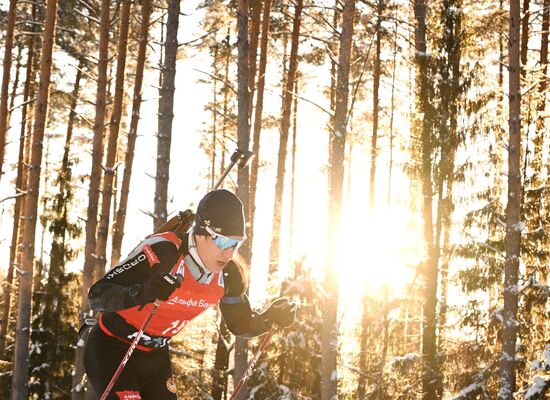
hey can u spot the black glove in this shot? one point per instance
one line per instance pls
(159, 287)
(280, 313)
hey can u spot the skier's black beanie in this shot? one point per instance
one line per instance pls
(222, 211)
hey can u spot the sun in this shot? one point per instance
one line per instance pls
(375, 251)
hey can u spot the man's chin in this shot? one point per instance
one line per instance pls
(217, 267)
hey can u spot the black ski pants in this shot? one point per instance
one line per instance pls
(146, 376)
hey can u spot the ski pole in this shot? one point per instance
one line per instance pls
(240, 157)
(248, 371)
(133, 346)
(130, 351)
(184, 219)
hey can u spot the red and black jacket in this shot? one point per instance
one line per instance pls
(122, 314)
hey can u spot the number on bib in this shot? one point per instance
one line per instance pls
(176, 326)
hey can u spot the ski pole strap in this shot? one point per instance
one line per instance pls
(248, 371)
(129, 352)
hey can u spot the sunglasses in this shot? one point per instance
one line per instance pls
(223, 242)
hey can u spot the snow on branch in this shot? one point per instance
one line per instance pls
(403, 362)
(538, 389)
(540, 385)
(469, 391)
(477, 386)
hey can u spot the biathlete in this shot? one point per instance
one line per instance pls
(190, 273)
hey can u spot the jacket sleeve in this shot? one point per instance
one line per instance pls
(241, 320)
(112, 292)
(239, 317)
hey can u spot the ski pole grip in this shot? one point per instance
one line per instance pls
(241, 157)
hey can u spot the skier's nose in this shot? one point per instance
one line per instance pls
(228, 253)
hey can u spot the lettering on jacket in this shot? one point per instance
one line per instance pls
(155, 342)
(190, 302)
(129, 264)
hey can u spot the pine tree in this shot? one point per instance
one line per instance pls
(286, 107)
(55, 321)
(329, 332)
(118, 226)
(535, 252)
(78, 390)
(513, 209)
(430, 374)
(114, 128)
(290, 366)
(542, 88)
(258, 111)
(20, 185)
(375, 101)
(6, 80)
(243, 143)
(20, 371)
(254, 28)
(166, 114)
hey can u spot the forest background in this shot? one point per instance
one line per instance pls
(399, 191)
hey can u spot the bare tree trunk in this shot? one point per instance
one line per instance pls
(243, 142)
(385, 341)
(114, 127)
(430, 374)
(524, 48)
(166, 114)
(449, 141)
(442, 320)
(227, 48)
(450, 89)
(214, 117)
(21, 361)
(499, 131)
(362, 380)
(332, 91)
(253, 50)
(29, 108)
(15, 85)
(118, 227)
(221, 363)
(365, 330)
(258, 115)
(524, 37)
(6, 81)
(392, 114)
(78, 391)
(363, 343)
(333, 54)
(293, 172)
(70, 126)
(513, 210)
(20, 184)
(285, 126)
(329, 332)
(375, 104)
(500, 78)
(538, 140)
(45, 200)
